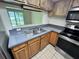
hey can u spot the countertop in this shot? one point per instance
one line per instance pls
(19, 37)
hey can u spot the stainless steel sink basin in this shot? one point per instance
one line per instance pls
(38, 31)
(34, 31)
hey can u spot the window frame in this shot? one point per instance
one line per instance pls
(15, 10)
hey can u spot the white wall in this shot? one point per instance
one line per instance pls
(4, 15)
(5, 20)
(56, 20)
(45, 18)
(1, 25)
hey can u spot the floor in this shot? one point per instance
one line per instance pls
(48, 52)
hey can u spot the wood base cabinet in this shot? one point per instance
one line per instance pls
(53, 38)
(45, 40)
(44, 43)
(29, 49)
(20, 52)
(34, 47)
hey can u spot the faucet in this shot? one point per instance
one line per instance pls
(36, 30)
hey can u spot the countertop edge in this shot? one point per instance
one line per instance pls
(38, 35)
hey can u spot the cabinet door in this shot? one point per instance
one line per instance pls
(67, 7)
(46, 5)
(75, 3)
(34, 2)
(21, 53)
(46, 36)
(25, 2)
(20, 1)
(62, 7)
(53, 38)
(59, 8)
(44, 42)
(34, 48)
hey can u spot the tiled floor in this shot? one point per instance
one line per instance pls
(48, 53)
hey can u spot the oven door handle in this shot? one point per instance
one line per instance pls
(69, 39)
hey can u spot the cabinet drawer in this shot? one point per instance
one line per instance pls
(46, 35)
(33, 40)
(19, 47)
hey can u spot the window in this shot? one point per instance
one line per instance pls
(37, 17)
(16, 17)
(33, 17)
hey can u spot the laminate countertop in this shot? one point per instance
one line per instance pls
(18, 37)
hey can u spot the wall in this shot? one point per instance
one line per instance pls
(5, 20)
(45, 18)
(1, 25)
(4, 15)
(37, 17)
(56, 20)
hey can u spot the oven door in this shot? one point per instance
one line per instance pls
(69, 46)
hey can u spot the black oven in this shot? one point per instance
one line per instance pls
(69, 46)
(69, 39)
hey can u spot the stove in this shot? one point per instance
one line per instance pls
(73, 34)
(68, 42)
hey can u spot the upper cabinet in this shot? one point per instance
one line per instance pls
(75, 3)
(43, 4)
(46, 5)
(61, 8)
(54, 8)
(34, 2)
(23, 1)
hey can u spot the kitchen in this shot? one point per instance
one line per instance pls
(39, 29)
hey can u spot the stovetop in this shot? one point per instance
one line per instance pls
(73, 34)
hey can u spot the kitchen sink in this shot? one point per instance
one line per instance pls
(34, 31)
(38, 31)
